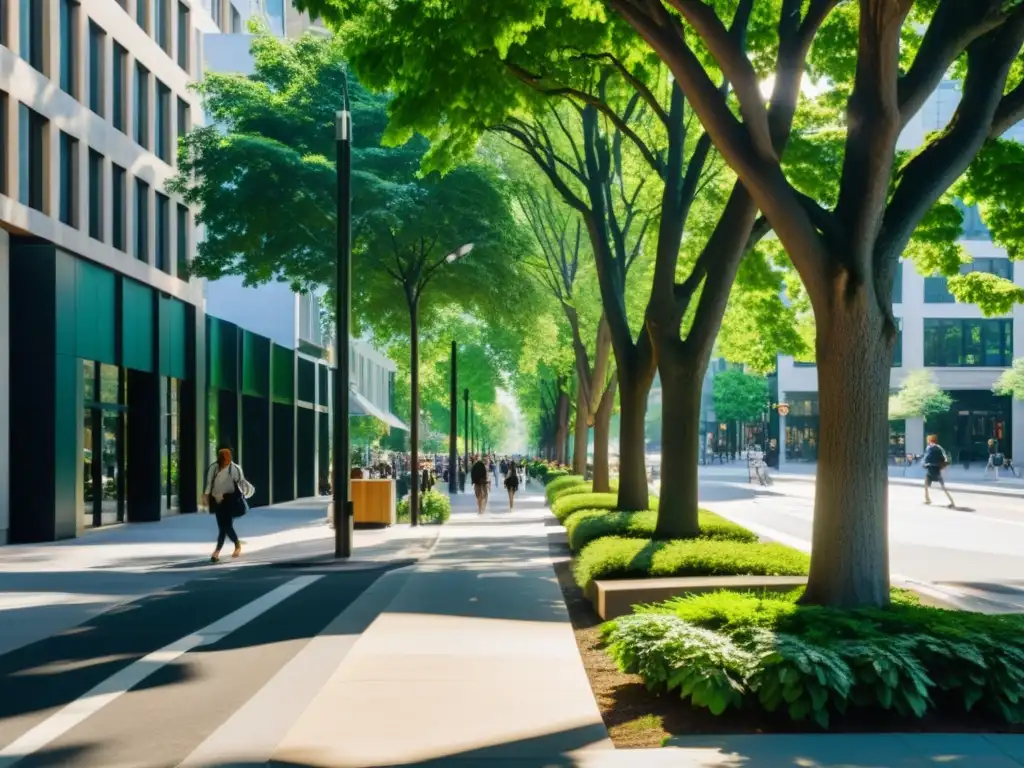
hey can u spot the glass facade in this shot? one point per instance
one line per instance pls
(163, 233)
(181, 240)
(32, 129)
(802, 426)
(163, 122)
(959, 343)
(30, 32)
(161, 30)
(936, 289)
(141, 106)
(183, 36)
(170, 445)
(141, 220)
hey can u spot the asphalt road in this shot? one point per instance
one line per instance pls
(975, 550)
(145, 683)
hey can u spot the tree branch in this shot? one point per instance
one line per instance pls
(638, 85)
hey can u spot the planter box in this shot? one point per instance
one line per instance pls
(616, 597)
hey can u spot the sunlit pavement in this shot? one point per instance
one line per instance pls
(973, 554)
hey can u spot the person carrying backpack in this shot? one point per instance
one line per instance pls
(935, 460)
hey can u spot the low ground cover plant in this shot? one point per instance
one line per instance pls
(727, 649)
(435, 507)
(616, 557)
(587, 525)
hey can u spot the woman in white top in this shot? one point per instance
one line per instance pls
(221, 480)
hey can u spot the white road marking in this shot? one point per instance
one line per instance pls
(104, 693)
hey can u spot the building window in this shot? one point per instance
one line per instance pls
(163, 233)
(97, 92)
(163, 122)
(3, 141)
(236, 21)
(119, 84)
(141, 220)
(142, 13)
(32, 129)
(897, 284)
(936, 289)
(30, 32)
(68, 46)
(215, 11)
(68, 179)
(184, 118)
(897, 347)
(960, 343)
(274, 11)
(95, 195)
(118, 206)
(182, 233)
(161, 25)
(183, 36)
(142, 106)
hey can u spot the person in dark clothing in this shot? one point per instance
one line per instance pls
(934, 462)
(511, 483)
(481, 484)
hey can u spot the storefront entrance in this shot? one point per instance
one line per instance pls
(975, 417)
(104, 445)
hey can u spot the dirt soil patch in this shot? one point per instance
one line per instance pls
(636, 717)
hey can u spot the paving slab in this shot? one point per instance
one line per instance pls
(474, 659)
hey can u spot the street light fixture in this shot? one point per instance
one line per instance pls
(342, 302)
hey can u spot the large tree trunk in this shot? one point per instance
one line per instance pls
(414, 422)
(562, 428)
(633, 490)
(581, 435)
(850, 552)
(680, 428)
(602, 428)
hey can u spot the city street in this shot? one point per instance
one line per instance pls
(973, 554)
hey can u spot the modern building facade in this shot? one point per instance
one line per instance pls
(123, 382)
(964, 351)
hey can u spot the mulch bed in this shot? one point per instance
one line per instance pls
(636, 717)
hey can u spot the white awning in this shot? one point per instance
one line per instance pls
(361, 406)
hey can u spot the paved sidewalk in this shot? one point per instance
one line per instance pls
(47, 588)
(474, 660)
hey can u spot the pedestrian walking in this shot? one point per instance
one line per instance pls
(511, 483)
(935, 461)
(481, 484)
(226, 492)
(494, 472)
(993, 451)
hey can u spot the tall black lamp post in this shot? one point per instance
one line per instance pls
(465, 431)
(453, 431)
(343, 300)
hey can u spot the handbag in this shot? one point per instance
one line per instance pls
(236, 502)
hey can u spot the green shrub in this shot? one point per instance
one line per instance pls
(559, 483)
(615, 557)
(587, 525)
(435, 507)
(554, 474)
(723, 649)
(567, 505)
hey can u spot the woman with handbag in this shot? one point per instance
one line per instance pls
(226, 492)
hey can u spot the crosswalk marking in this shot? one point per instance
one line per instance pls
(121, 682)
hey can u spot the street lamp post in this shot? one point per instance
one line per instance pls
(465, 431)
(343, 299)
(453, 432)
(472, 431)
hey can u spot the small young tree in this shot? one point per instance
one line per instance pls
(1011, 381)
(919, 397)
(738, 396)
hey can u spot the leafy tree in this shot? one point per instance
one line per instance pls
(1011, 381)
(881, 59)
(265, 179)
(739, 396)
(572, 87)
(919, 397)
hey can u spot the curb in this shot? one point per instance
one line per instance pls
(916, 482)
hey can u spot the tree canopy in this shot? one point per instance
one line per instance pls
(919, 397)
(739, 396)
